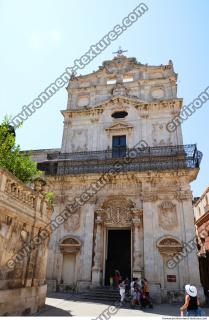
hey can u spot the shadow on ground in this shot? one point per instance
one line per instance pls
(49, 311)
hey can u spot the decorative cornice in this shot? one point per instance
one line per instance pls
(136, 102)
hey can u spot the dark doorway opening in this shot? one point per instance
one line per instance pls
(118, 254)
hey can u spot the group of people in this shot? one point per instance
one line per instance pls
(136, 291)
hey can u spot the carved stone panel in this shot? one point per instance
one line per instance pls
(119, 90)
(118, 211)
(79, 140)
(73, 222)
(169, 245)
(167, 216)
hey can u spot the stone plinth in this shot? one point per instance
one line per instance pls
(22, 301)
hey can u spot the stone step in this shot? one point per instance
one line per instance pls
(101, 294)
(104, 292)
(99, 298)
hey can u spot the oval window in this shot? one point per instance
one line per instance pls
(119, 114)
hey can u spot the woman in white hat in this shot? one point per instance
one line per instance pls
(191, 304)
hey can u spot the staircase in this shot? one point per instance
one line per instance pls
(103, 294)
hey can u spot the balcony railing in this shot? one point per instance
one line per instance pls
(148, 158)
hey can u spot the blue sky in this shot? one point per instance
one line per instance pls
(39, 39)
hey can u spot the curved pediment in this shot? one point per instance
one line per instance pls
(69, 244)
(169, 245)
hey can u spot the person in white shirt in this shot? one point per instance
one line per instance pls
(122, 289)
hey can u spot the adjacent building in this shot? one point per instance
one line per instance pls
(201, 213)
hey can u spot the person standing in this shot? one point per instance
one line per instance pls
(146, 293)
(122, 289)
(135, 292)
(111, 282)
(116, 279)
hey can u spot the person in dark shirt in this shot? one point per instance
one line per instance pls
(191, 304)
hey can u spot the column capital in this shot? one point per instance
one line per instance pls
(137, 213)
(99, 221)
(136, 222)
(99, 212)
(92, 200)
(99, 216)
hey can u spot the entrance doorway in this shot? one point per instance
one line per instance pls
(68, 269)
(118, 254)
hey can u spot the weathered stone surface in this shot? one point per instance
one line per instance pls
(23, 213)
(153, 204)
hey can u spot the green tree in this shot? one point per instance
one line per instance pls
(11, 158)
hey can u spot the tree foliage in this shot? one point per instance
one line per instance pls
(19, 164)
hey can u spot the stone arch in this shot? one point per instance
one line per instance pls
(169, 245)
(69, 244)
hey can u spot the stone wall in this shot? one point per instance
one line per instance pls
(165, 224)
(23, 213)
(149, 99)
(123, 97)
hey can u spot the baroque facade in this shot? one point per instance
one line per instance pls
(23, 213)
(131, 177)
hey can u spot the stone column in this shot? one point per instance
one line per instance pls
(151, 231)
(86, 259)
(96, 270)
(137, 268)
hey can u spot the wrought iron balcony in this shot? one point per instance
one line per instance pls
(147, 158)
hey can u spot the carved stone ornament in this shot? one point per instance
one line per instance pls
(39, 184)
(183, 195)
(119, 127)
(73, 222)
(149, 197)
(5, 222)
(117, 211)
(169, 246)
(24, 235)
(167, 215)
(70, 245)
(120, 90)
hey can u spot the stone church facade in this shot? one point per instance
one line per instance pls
(139, 217)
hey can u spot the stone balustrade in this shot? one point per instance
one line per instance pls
(15, 189)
